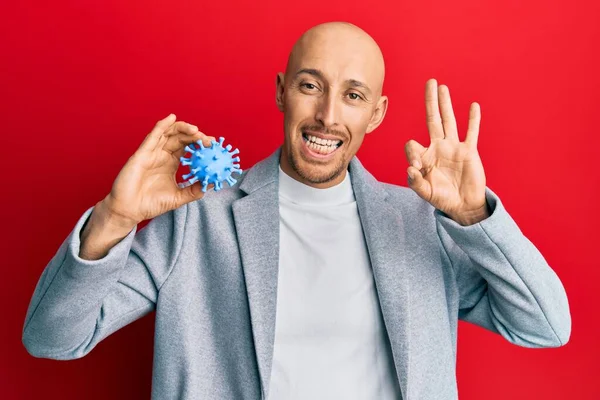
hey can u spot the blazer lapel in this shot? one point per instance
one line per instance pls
(256, 218)
(384, 233)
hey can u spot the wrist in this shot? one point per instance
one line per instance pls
(114, 219)
(472, 217)
(102, 231)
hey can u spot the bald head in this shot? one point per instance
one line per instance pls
(330, 95)
(342, 46)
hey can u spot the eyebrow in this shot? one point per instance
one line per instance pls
(318, 74)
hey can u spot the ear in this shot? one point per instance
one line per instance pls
(279, 94)
(378, 114)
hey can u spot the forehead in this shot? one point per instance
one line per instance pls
(339, 58)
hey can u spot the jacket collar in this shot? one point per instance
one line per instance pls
(257, 224)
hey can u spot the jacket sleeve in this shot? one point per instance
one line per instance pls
(78, 302)
(504, 282)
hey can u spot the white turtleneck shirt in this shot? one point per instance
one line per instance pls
(330, 338)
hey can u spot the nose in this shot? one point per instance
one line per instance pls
(327, 113)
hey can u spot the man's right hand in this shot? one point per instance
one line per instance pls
(145, 187)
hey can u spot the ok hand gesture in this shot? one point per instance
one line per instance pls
(449, 173)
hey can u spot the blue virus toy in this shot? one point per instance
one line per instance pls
(213, 164)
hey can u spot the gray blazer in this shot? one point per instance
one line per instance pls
(209, 269)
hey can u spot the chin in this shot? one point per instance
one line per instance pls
(316, 172)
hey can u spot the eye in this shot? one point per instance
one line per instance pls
(309, 86)
(354, 96)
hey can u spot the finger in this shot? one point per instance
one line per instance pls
(434, 120)
(414, 153)
(176, 143)
(164, 123)
(474, 121)
(153, 138)
(448, 118)
(419, 184)
(181, 127)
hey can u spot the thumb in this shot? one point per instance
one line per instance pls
(418, 183)
(189, 193)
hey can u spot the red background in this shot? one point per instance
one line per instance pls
(83, 82)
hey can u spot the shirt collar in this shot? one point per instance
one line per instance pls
(299, 193)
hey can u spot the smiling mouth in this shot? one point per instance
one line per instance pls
(319, 145)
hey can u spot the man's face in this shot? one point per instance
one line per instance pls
(330, 97)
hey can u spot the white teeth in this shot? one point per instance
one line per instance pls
(322, 142)
(320, 148)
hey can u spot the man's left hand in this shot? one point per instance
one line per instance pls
(449, 173)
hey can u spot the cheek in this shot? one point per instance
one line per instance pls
(299, 108)
(356, 142)
(357, 122)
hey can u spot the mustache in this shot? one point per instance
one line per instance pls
(323, 130)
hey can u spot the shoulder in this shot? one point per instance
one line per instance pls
(405, 197)
(220, 201)
(415, 211)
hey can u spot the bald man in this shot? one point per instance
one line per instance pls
(331, 90)
(310, 279)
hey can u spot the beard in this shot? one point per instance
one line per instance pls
(315, 172)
